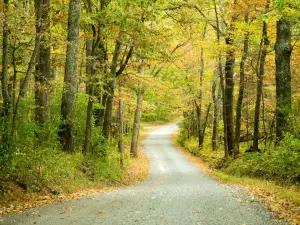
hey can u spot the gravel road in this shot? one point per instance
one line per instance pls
(176, 192)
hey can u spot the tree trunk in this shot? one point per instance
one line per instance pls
(136, 123)
(43, 75)
(89, 89)
(229, 88)
(111, 89)
(70, 79)
(24, 84)
(199, 105)
(90, 92)
(220, 66)
(27, 5)
(215, 122)
(201, 141)
(101, 112)
(121, 128)
(108, 109)
(4, 78)
(260, 80)
(239, 103)
(283, 51)
(6, 107)
(89, 126)
(229, 84)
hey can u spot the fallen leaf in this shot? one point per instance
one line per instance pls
(100, 212)
(69, 207)
(196, 212)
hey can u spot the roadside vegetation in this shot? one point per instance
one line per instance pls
(75, 78)
(78, 77)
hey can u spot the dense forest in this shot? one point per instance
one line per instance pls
(78, 77)
(74, 76)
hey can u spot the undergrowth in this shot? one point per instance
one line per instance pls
(280, 164)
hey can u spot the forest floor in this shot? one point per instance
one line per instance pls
(175, 192)
(282, 201)
(19, 200)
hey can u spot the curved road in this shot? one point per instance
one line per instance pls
(176, 192)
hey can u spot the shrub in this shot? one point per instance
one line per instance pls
(281, 164)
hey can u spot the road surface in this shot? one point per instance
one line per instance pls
(176, 192)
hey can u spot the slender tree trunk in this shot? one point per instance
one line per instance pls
(121, 128)
(283, 51)
(199, 105)
(136, 123)
(6, 107)
(111, 89)
(89, 90)
(215, 122)
(43, 75)
(27, 5)
(260, 78)
(201, 141)
(89, 126)
(239, 103)
(220, 66)
(108, 110)
(14, 81)
(102, 110)
(70, 79)
(5, 75)
(24, 84)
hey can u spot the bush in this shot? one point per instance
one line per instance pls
(192, 145)
(36, 162)
(281, 164)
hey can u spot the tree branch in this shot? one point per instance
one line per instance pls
(123, 65)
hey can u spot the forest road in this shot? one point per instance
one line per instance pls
(176, 192)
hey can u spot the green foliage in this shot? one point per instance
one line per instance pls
(214, 159)
(192, 145)
(281, 164)
(37, 163)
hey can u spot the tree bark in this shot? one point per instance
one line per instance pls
(6, 107)
(229, 84)
(201, 141)
(90, 92)
(239, 103)
(215, 122)
(229, 88)
(136, 123)
(27, 5)
(199, 105)
(260, 80)
(43, 74)
(111, 88)
(89, 89)
(283, 51)
(121, 128)
(70, 79)
(220, 67)
(101, 112)
(24, 84)
(4, 78)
